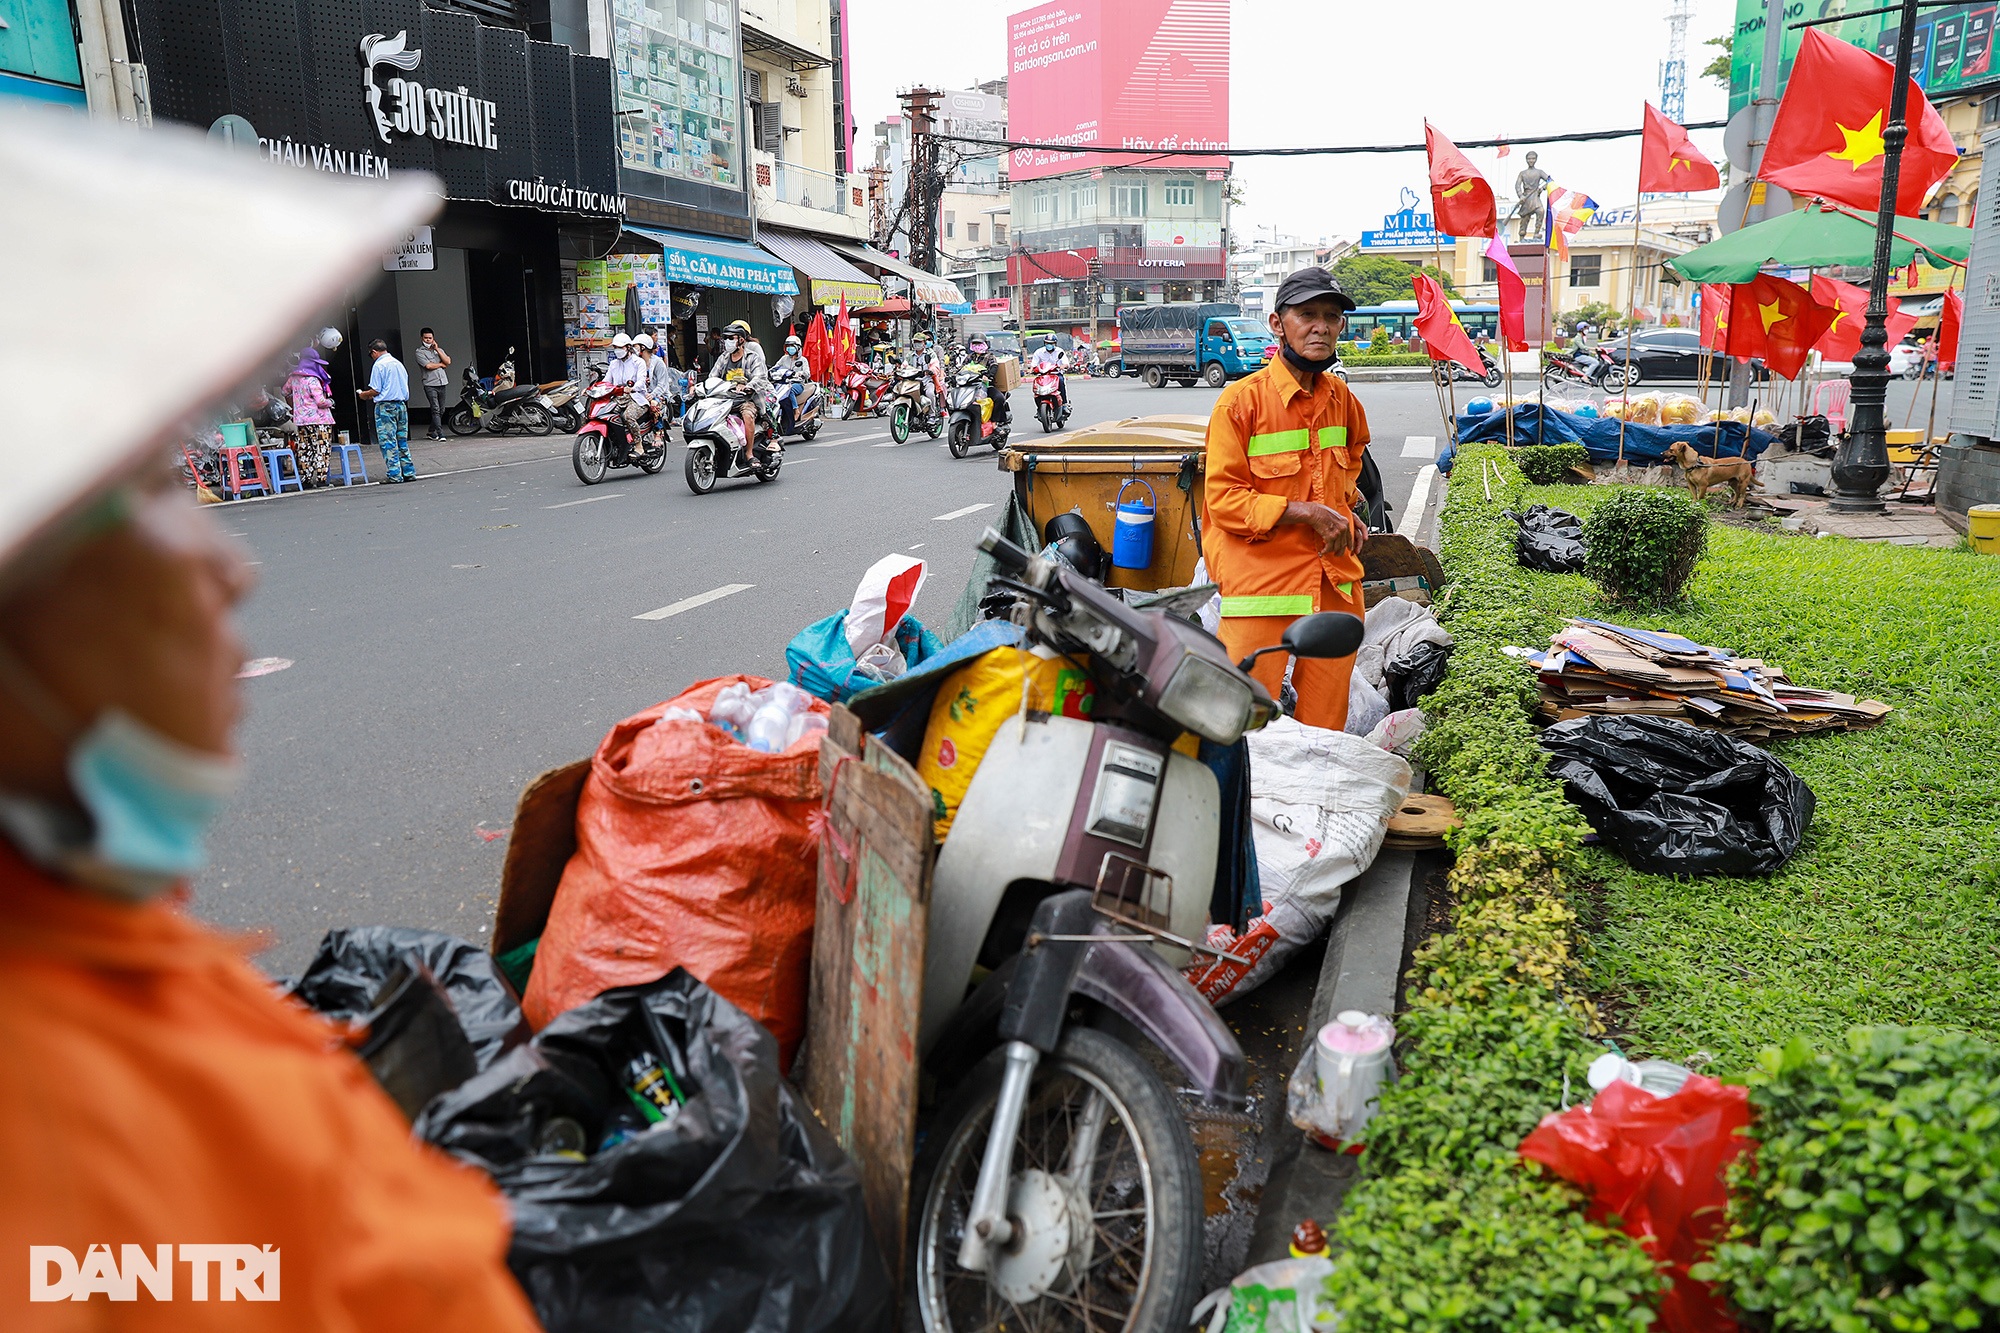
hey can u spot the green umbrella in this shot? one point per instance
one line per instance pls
(1813, 237)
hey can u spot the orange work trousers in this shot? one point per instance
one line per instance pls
(1322, 683)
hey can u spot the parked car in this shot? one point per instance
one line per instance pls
(1664, 354)
(1905, 361)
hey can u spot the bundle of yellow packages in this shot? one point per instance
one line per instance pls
(1644, 410)
(1679, 409)
(1765, 419)
(1615, 408)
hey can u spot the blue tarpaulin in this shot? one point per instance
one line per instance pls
(1534, 424)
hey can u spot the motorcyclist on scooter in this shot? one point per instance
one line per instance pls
(627, 371)
(742, 362)
(976, 349)
(662, 385)
(925, 358)
(1049, 358)
(789, 373)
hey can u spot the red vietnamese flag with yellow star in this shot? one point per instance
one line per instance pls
(1437, 324)
(1669, 163)
(1715, 316)
(1827, 141)
(1842, 340)
(1461, 200)
(1776, 320)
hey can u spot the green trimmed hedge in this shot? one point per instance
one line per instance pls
(1352, 359)
(1448, 1228)
(1545, 464)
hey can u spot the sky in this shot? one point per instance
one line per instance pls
(1363, 72)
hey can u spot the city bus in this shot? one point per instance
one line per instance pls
(1400, 318)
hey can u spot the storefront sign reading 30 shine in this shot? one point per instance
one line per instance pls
(454, 117)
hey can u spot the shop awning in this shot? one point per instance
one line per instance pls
(831, 277)
(927, 288)
(712, 261)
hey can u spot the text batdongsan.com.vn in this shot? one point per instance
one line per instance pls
(211, 1272)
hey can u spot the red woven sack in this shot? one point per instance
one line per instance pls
(1656, 1165)
(692, 850)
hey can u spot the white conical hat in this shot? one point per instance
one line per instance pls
(145, 275)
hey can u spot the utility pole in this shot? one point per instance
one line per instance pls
(1862, 464)
(1763, 112)
(1093, 293)
(925, 186)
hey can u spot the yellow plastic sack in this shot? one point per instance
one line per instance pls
(972, 703)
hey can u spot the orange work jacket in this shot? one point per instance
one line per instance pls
(159, 1100)
(1270, 442)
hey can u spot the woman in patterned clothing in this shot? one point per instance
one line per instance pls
(309, 388)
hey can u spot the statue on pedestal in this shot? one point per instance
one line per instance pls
(1529, 187)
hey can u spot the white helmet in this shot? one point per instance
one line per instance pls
(644, 340)
(620, 344)
(792, 343)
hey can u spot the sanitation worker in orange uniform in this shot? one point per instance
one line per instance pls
(181, 1147)
(1280, 534)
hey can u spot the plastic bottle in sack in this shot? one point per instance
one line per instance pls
(1353, 1058)
(802, 723)
(1662, 1078)
(768, 728)
(733, 710)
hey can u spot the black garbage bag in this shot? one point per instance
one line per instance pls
(1674, 799)
(1415, 674)
(349, 974)
(739, 1214)
(412, 1040)
(1550, 540)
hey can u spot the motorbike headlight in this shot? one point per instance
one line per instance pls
(1208, 699)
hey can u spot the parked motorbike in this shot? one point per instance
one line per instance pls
(500, 407)
(910, 406)
(565, 401)
(970, 415)
(1596, 372)
(1058, 1173)
(603, 442)
(1050, 407)
(808, 403)
(716, 448)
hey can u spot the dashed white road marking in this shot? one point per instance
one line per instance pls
(960, 513)
(586, 500)
(1420, 446)
(699, 599)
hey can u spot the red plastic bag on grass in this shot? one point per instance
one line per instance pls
(1656, 1164)
(692, 850)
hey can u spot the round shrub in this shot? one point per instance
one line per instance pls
(1545, 464)
(1644, 543)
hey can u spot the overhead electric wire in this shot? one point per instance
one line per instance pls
(1159, 150)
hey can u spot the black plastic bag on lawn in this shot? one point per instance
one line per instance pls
(1415, 674)
(346, 978)
(738, 1213)
(1550, 540)
(1674, 799)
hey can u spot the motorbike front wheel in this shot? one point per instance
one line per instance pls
(899, 422)
(1618, 378)
(588, 457)
(1105, 1195)
(1047, 413)
(700, 470)
(960, 439)
(1492, 378)
(461, 421)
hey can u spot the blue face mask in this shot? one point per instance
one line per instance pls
(151, 799)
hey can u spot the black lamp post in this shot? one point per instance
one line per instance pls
(1862, 464)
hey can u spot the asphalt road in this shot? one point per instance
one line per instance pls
(451, 639)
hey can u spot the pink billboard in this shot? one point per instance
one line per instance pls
(1152, 76)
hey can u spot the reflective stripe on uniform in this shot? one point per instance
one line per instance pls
(1279, 442)
(1333, 437)
(1300, 605)
(1346, 589)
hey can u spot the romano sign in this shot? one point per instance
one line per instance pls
(336, 86)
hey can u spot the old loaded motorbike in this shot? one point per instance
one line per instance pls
(716, 447)
(603, 442)
(502, 407)
(1057, 1184)
(970, 417)
(911, 407)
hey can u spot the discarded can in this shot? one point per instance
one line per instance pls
(652, 1088)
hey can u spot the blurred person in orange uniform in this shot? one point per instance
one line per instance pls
(1280, 534)
(181, 1147)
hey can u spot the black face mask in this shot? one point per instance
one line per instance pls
(1310, 367)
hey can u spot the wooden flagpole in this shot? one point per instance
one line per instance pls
(1631, 304)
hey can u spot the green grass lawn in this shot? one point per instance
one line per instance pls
(1890, 913)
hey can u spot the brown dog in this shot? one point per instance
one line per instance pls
(1702, 472)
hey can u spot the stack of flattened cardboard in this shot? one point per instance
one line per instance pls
(1595, 667)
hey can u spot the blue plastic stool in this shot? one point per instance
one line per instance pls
(349, 464)
(279, 481)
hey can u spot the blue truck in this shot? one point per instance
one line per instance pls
(1186, 341)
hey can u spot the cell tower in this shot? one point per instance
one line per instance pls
(1674, 69)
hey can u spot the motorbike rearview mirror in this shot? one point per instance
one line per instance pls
(1322, 634)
